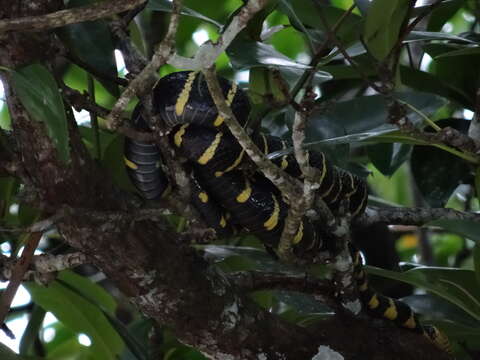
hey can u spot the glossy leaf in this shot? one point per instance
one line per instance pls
(247, 54)
(382, 26)
(92, 43)
(80, 316)
(437, 173)
(429, 83)
(166, 6)
(455, 285)
(362, 114)
(431, 35)
(460, 70)
(39, 93)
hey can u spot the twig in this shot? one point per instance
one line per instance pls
(18, 272)
(80, 101)
(70, 16)
(207, 54)
(319, 54)
(143, 83)
(42, 264)
(411, 216)
(381, 90)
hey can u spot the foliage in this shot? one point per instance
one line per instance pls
(435, 80)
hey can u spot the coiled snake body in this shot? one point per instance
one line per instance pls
(228, 194)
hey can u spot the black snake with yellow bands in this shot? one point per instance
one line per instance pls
(229, 194)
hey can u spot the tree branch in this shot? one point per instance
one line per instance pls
(70, 16)
(19, 270)
(41, 264)
(145, 80)
(411, 216)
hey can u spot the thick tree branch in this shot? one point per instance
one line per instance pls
(71, 16)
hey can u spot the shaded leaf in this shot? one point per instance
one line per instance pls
(460, 71)
(387, 158)
(165, 5)
(364, 113)
(426, 82)
(115, 163)
(431, 35)
(455, 285)
(92, 43)
(32, 330)
(308, 13)
(439, 16)
(437, 173)
(382, 26)
(436, 308)
(467, 228)
(39, 93)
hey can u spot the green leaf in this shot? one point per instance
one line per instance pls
(387, 158)
(71, 349)
(467, 228)
(79, 315)
(89, 289)
(464, 51)
(5, 121)
(457, 66)
(437, 173)
(246, 54)
(364, 113)
(92, 43)
(458, 286)
(429, 83)
(166, 6)
(115, 164)
(32, 330)
(382, 26)
(39, 93)
(430, 35)
(307, 13)
(439, 16)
